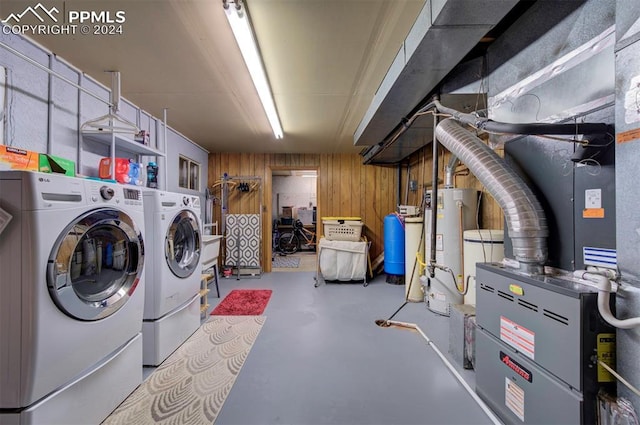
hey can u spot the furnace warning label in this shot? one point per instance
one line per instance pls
(607, 354)
(518, 337)
(514, 398)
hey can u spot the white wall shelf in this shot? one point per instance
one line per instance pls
(122, 142)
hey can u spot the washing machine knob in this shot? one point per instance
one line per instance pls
(185, 201)
(106, 192)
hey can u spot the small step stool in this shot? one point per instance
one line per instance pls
(204, 305)
(205, 280)
(210, 251)
(208, 276)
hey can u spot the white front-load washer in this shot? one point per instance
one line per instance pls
(72, 297)
(172, 298)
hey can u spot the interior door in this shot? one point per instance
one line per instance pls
(183, 244)
(95, 265)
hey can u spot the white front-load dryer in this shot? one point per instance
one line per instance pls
(172, 299)
(72, 298)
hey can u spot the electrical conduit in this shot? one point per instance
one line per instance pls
(604, 295)
(434, 201)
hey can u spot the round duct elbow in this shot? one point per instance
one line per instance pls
(526, 221)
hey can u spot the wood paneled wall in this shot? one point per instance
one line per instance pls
(345, 188)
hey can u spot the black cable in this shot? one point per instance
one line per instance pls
(525, 128)
(544, 128)
(398, 310)
(408, 291)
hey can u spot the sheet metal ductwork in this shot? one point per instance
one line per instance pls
(526, 221)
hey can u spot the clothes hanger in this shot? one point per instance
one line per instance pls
(111, 122)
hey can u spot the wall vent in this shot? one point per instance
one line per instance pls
(555, 316)
(527, 304)
(506, 296)
(487, 288)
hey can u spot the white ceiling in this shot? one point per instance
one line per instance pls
(324, 58)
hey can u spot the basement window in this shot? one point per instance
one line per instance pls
(188, 173)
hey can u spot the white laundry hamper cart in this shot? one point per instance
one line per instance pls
(342, 261)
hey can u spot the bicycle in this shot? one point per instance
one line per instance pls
(290, 241)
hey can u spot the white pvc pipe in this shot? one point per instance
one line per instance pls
(452, 369)
(604, 294)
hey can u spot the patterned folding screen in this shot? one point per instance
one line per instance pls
(243, 240)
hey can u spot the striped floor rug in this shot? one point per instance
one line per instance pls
(191, 385)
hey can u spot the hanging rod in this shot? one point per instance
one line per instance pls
(55, 74)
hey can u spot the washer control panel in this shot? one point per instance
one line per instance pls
(102, 193)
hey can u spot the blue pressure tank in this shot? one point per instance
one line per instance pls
(393, 245)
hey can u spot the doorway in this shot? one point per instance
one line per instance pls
(294, 195)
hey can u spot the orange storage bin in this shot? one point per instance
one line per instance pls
(122, 169)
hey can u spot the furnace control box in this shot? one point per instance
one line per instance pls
(537, 345)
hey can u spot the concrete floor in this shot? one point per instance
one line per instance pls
(320, 359)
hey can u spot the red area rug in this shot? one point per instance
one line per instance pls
(243, 302)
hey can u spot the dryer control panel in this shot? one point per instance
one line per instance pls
(191, 201)
(101, 193)
(132, 196)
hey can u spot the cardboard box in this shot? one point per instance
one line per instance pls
(56, 164)
(18, 159)
(287, 212)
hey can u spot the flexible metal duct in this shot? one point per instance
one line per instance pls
(526, 222)
(449, 172)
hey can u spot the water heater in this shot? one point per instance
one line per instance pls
(456, 211)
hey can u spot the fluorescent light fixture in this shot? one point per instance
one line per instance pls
(236, 13)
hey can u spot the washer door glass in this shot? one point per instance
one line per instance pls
(182, 244)
(95, 265)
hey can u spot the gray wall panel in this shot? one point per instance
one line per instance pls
(27, 95)
(28, 123)
(128, 111)
(569, 91)
(627, 23)
(548, 30)
(627, 218)
(178, 145)
(91, 108)
(627, 155)
(546, 166)
(64, 137)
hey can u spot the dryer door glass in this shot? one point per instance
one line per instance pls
(182, 244)
(95, 265)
